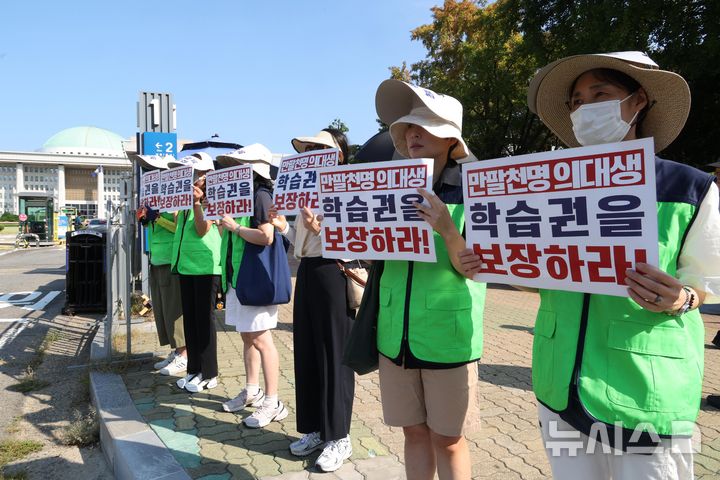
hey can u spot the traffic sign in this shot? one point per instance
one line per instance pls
(22, 217)
(159, 143)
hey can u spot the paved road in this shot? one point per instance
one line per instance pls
(32, 284)
(31, 289)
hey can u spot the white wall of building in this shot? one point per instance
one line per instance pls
(44, 175)
(8, 188)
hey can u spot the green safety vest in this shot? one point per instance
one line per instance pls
(193, 254)
(429, 307)
(635, 366)
(238, 247)
(161, 242)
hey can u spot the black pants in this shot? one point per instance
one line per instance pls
(324, 388)
(198, 302)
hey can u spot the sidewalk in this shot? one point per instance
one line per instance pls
(214, 445)
(7, 241)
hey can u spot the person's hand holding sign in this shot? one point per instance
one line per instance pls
(277, 221)
(310, 220)
(198, 195)
(228, 223)
(655, 290)
(435, 213)
(470, 261)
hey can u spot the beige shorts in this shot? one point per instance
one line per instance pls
(446, 400)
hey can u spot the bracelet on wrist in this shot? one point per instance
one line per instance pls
(687, 304)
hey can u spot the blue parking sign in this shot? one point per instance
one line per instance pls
(159, 143)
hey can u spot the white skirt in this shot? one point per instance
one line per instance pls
(248, 318)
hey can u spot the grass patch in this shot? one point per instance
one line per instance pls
(28, 382)
(52, 336)
(14, 425)
(83, 395)
(13, 476)
(10, 229)
(118, 366)
(119, 343)
(11, 450)
(83, 431)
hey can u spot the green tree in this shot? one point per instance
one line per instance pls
(340, 125)
(485, 54)
(681, 36)
(475, 54)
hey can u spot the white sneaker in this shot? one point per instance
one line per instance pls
(166, 362)
(243, 400)
(307, 444)
(175, 367)
(198, 384)
(184, 381)
(334, 454)
(266, 414)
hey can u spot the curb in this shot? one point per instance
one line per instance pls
(131, 447)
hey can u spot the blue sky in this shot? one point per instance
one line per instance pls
(251, 71)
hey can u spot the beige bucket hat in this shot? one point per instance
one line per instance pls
(200, 161)
(155, 162)
(668, 94)
(256, 154)
(400, 103)
(321, 138)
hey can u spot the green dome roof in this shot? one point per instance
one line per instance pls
(84, 140)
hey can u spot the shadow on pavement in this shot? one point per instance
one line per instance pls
(89, 465)
(505, 375)
(521, 328)
(188, 423)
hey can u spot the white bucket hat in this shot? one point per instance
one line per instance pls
(200, 161)
(399, 103)
(256, 154)
(321, 138)
(155, 162)
(668, 94)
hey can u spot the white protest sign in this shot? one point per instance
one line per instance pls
(176, 189)
(296, 182)
(229, 192)
(572, 219)
(368, 211)
(150, 189)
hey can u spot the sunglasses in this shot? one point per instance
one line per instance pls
(314, 146)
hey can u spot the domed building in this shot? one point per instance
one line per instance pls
(78, 167)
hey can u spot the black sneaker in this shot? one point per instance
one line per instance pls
(713, 401)
(716, 340)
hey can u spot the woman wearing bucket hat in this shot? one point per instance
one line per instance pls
(255, 323)
(324, 387)
(164, 286)
(622, 376)
(428, 367)
(196, 259)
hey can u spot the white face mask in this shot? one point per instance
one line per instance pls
(601, 122)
